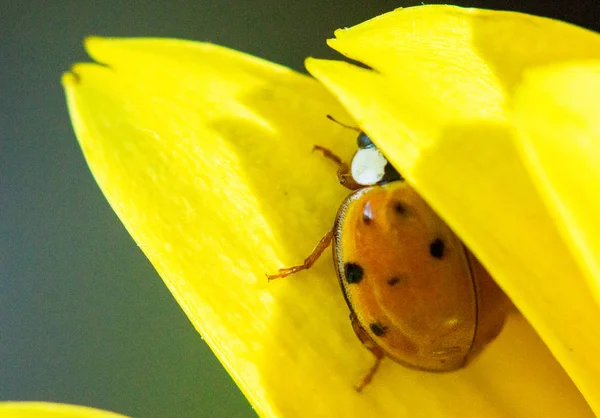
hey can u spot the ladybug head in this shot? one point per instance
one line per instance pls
(369, 166)
(363, 141)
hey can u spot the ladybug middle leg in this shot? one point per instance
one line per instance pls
(310, 260)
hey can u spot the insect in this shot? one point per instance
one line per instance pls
(416, 294)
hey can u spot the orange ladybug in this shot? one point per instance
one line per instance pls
(416, 294)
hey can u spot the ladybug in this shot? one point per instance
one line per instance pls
(416, 294)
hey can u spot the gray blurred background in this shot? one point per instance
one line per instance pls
(84, 318)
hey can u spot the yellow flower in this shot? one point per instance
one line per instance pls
(51, 410)
(205, 155)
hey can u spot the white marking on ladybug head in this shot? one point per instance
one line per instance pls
(368, 166)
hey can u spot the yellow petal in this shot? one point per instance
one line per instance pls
(558, 112)
(437, 105)
(207, 160)
(51, 410)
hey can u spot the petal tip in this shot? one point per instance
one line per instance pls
(338, 33)
(310, 62)
(315, 66)
(90, 41)
(69, 79)
(332, 42)
(95, 45)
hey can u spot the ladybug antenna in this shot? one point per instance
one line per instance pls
(354, 128)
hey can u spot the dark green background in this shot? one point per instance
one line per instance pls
(84, 318)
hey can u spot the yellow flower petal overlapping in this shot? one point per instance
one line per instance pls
(444, 85)
(557, 112)
(206, 156)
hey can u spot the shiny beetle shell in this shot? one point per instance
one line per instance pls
(406, 277)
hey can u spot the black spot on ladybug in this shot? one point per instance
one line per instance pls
(378, 329)
(393, 281)
(436, 248)
(367, 214)
(400, 208)
(353, 273)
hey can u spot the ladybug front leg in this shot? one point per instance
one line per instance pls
(343, 174)
(310, 260)
(371, 346)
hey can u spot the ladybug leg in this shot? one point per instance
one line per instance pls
(343, 174)
(372, 347)
(327, 153)
(369, 376)
(309, 261)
